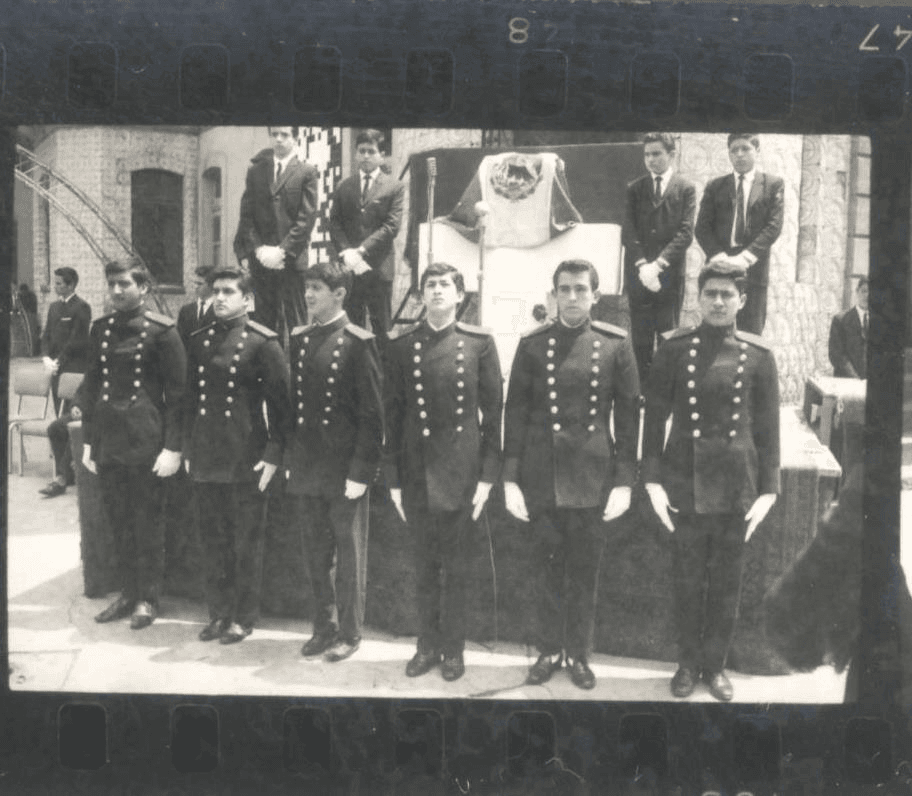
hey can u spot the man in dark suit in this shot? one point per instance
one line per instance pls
(444, 397)
(197, 313)
(658, 228)
(130, 401)
(236, 419)
(718, 472)
(740, 219)
(278, 211)
(332, 457)
(65, 343)
(849, 337)
(363, 222)
(564, 471)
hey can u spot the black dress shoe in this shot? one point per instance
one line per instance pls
(53, 489)
(422, 663)
(235, 633)
(453, 667)
(684, 682)
(543, 668)
(719, 686)
(143, 615)
(213, 630)
(581, 674)
(318, 643)
(118, 609)
(340, 650)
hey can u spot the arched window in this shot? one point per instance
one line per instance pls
(157, 223)
(211, 222)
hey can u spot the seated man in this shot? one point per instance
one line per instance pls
(59, 436)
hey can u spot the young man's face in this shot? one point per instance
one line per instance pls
(323, 304)
(742, 155)
(283, 141)
(124, 293)
(369, 157)
(861, 296)
(656, 157)
(61, 287)
(575, 297)
(440, 294)
(201, 287)
(720, 301)
(228, 300)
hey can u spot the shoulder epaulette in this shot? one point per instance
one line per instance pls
(164, 320)
(208, 326)
(101, 318)
(263, 330)
(538, 329)
(402, 331)
(609, 328)
(753, 339)
(469, 328)
(357, 331)
(681, 331)
(300, 330)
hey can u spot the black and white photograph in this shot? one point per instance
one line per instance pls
(439, 413)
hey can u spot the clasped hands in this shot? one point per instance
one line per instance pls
(618, 502)
(649, 275)
(272, 257)
(353, 261)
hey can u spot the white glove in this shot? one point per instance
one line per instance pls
(618, 503)
(660, 505)
(516, 503)
(649, 276)
(272, 257)
(267, 471)
(396, 497)
(354, 489)
(167, 463)
(758, 512)
(482, 491)
(87, 461)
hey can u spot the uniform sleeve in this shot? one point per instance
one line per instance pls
(173, 361)
(626, 389)
(369, 394)
(383, 236)
(766, 425)
(273, 372)
(630, 234)
(683, 236)
(247, 240)
(394, 411)
(516, 415)
(490, 401)
(769, 233)
(706, 224)
(659, 405)
(299, 234)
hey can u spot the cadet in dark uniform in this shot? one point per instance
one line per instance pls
(333, 455)
(130, 402)
(235, 367)
(719, 470)
(563, 470)
(441, 457)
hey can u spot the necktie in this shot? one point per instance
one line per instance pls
(367, 179)
(864, 324)
(658, 189)
(278, 171)
(739, 213)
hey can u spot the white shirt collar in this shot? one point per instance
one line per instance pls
(861, 313)
(439, 328)
(748, 177)
(284, 161)
(373, 175)
(72, 295)
(666, 178)
(332, 320)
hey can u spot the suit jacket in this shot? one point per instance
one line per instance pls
(188, 322)
(278, 213)
(437, 385)
(372, 224)
(66, 334)
(133, 389)
(235, 368)
(663, 229)
(337, 393)
(762, 222)
(848, 345)
(564, 387)
(721, 389)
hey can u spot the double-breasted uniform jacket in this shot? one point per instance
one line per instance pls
(658, 229)
(132, 392)
(443, 402)
(278, 213)
(66, 334)
(847, 346)
(337, 398)
(721, 388)
(234, 367)
(372, 223)
(564, 386)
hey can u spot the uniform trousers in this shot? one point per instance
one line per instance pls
(232, 526)
(131, 495)
(278, 296)
(567, 552)
(441, 540)
(708, 554)
(334, 536)
(648, 320)
(370, 293)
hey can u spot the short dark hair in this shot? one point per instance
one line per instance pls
(577, 267)
(443, 269)
(203, 271)
(862, 282)
(751, 138)
(234, 272)
(68, 275)
(330, 275)
(540, 313)
(734, 273)
(375, 137)
(133, 266)
(295, 131)
(665, 139)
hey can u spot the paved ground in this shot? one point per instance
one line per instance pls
(55, 644)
